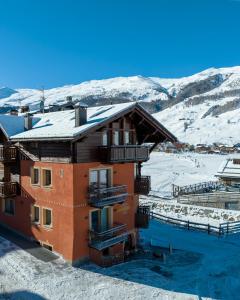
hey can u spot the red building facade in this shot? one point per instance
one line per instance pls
(71, 180)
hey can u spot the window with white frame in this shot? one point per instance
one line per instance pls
(47, 217)
(35, 176)
(46, 177)
(36, 214)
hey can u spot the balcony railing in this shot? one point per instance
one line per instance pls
(104, 239)
(8, 189)
(8, 153)
(143, 216)
(142, 185)
(124, 153)
(100, 197)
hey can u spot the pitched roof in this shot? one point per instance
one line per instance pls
(12, 125)
(61, 125)
(230, 168)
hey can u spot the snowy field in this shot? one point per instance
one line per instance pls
(166, 169)
(184, 169)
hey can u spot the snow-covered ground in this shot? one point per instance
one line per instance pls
(202, 267)
(186, 168)
(193, 213)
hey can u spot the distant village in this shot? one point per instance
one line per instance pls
(215, 148)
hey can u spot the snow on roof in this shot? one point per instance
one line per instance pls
(229, 169)
(11, 125)
(61, 124)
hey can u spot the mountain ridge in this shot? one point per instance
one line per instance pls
(194, 108)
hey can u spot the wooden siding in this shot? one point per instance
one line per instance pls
(49, 151)
(87, 149)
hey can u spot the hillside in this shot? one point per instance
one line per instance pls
(202, 108)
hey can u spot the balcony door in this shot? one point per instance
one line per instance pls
(100, 178)
(101, 219)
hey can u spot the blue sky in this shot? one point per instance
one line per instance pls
(52, 43)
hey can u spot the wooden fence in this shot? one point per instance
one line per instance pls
(222, 229)
(202, 187)
(210, 197)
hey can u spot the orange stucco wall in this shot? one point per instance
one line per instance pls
(68, 200)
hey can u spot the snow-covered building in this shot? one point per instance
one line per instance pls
(71, 179)
(229, 172)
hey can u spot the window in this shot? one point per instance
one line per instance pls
(47, 217)
(9, 207)
(35, 178)
(126, 138)
(116, 138)
(47, 177)
(48, 247)
(104, 139)
(35, 214)
(100, 178)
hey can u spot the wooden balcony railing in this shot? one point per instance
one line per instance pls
(8, 153)
(124, 153)
(107, 196)
(8, 189)
(143, 216)
(112, 236)
(142, 185)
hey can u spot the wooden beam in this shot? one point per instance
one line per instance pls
(154, 145)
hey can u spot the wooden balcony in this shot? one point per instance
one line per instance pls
(8, 153)
(8, 189)
(124, 153)
(107, 196)
(142, 185)
(104, 239)
(143, 216)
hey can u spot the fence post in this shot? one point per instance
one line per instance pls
(219, 230)
(227, 227)
(188, 227)
(209, 228)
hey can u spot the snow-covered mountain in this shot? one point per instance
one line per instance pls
(202, 108)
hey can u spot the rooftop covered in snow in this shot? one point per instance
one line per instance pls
(61, 125)
(229, 169)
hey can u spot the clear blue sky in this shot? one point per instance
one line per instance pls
(55, 42)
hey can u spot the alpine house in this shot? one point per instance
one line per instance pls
(70, 180)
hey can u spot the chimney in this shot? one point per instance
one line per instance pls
(80, 114)
(14, 112)
(27, 121)
(24, 109)
(69, 99)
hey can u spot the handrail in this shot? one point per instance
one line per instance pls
(114, 229)
(107, 195)
(8, 153)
